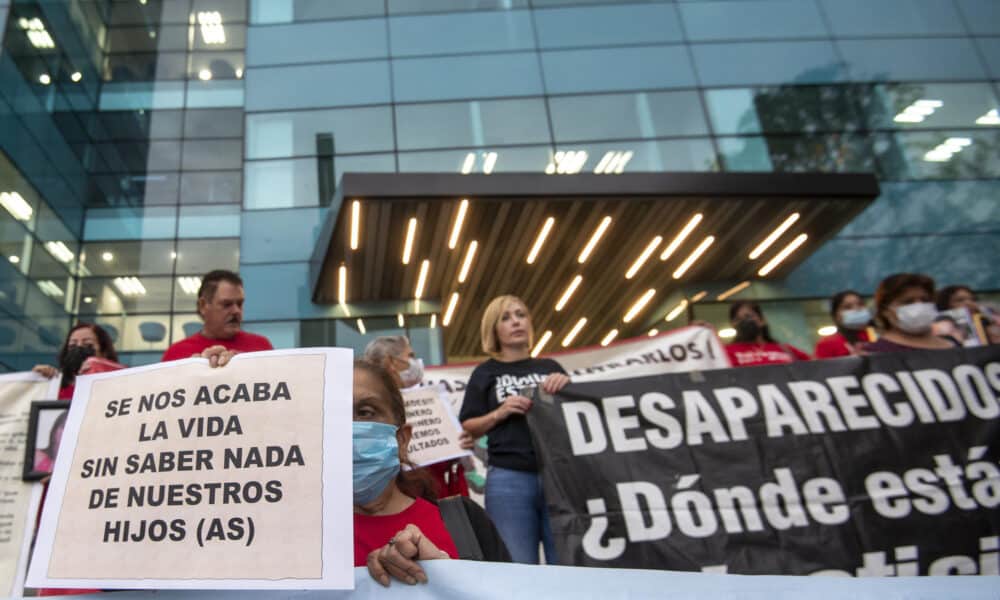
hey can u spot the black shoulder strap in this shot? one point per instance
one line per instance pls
(456, 520)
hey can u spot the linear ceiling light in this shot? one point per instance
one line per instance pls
(779, 257)
(399, 320)
(422, 279)
(653, 332)
(433, 320)
(450, 311)
(639, 305)
(673, 314)
(594, 238)
(59, 251)
(698, 296)
(189, 285)
(568, 292)
(130, 286)
(690, 260)
(736, 289)
(650, 248)
(456, 229)
(361, 327)
(679, 239)
(355, 224)
(37, 35)
(212, 31)
(411, 232)
(573, 332)
(470, 254)
(542, 234)
(342, 285)
(774, 235)
(50, 288)
(610, 337)
(541, 343)
(16, 205)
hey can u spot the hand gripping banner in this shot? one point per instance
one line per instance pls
(884, 465)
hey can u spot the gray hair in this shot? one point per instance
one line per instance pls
(387, 346)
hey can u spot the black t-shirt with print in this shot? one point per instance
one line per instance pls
(492, 382)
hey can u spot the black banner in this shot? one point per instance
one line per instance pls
(876, 466)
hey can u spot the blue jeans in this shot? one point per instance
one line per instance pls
(515, 502)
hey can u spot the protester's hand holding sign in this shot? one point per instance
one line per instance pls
(399, 555)
(555, 382)
(218, 356)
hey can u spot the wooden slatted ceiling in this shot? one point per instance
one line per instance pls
(506, 228)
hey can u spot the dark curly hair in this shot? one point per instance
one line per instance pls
(104, 342)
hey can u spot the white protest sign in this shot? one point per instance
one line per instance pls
(177, 475)
(435, 427)
(18, 499)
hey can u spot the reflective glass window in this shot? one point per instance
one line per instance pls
(128, 223)
(951, 154)
(51, 260)
(142, 95)
(982, 16)
(744, 154)
(749, 20)
(149, 189)
(281, 183)
(281, 235)
(205, 66)
(280, 135)
(400, 7)
(835, 153)
(127, 68)
(892, 17)
(475, 123)
(138, 124)
(116, 295)
(318, 85)
(607, 25)
(213, 123)
(147, 39)
(789, 109)
(732, 111)
(630, 156)
(185, 324)
(610, 69)
(528, 159)
(110, 258)
(211, 187)
(262, 303)
(234, 38)
(196, 257)
(317, 42)
(209, 155)
(624, 116)
(209, 221)
(990, 47)
(472, 76)
(214, 94)
(363, 163)
(933, 105)
(281, 334)
(287, 11)
(146, 332)
(767, 63)
(461, 33)
(911, 59)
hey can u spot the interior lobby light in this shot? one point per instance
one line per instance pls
(342, 285)
(456, 228)
(541, 343)
(774, 235)
(16, 205)
(361, 327)
(212, 31)
(411, 232)
(470, 254)
(14, 259)
(50, 289)
(568, 292)
(574, 332)
(779, 257)
(489, 162)
(59, 251)
(680, 237)
(690, 260)
(990, 118)
(610, 337)
(189, 285)
(948, 148)
(736, 289)
(37, 35)
(827, 330)
(450, 311)
(107, 256)
(639, 305)
(468, 163)
(641, 260)
(76, 76)
(540, 239)
(653, 332)
(130, 286)
(205, 74)
(355, 224)
(422, 279)
(613, 162)
(433, 320)
(727, 333)
(594, 238)
(918, 111)
(399, 320)
(44, 79)
(677, 310)
(698, 296)
(568, 162)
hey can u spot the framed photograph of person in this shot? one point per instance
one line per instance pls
(45, 429)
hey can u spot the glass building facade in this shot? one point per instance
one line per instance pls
(148, 141)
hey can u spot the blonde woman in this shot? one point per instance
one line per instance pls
(493, 405)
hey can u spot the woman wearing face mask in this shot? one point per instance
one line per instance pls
(395, 355)
(853, 319)
(85, 342)
(905, 311)
(494, 405)
(753, 344)
(396, 523)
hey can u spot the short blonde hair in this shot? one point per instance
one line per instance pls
(491, 316)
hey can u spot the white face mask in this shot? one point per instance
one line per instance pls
(916, 319)
(413, 374)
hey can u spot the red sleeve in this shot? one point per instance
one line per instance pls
(831, 347)
(798, 354)
(178, 350)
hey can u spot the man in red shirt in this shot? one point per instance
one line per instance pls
(220, 304)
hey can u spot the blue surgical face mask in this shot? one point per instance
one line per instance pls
(376, 459)
(856, 319)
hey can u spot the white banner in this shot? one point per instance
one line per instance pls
(435, 426)
(177, 475)
(18, 499)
